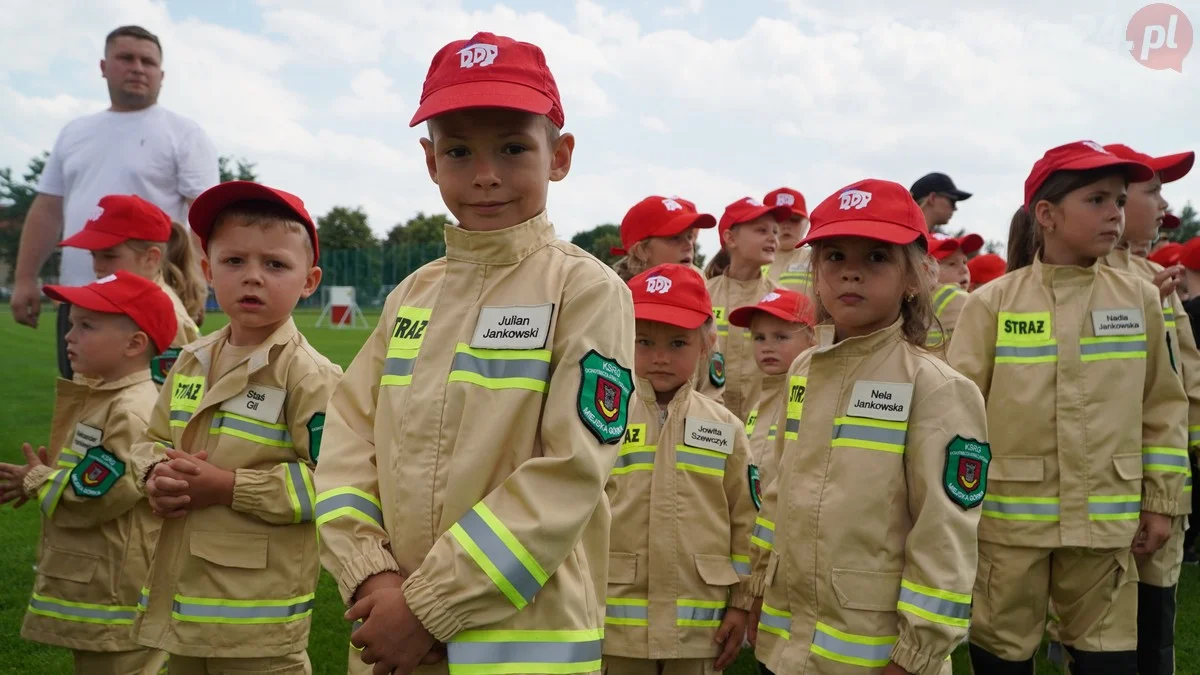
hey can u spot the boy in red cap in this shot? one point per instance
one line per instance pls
(682, 508)
(461, 492)
(953, 280)
(239, 419)
(781, 326)
(791, 266)
(864, 549)
(749, 239)
(984, 268)
(97, 531)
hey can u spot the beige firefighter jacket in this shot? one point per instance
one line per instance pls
(791, 270)
(741, 371)
(762, 428)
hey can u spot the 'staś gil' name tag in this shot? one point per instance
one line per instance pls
(257, 402)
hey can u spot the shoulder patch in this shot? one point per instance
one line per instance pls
(96, 473)
(967, 463)
(161, 365)
(604, 390)
(316, 425)
(755, 486)
(716, 369)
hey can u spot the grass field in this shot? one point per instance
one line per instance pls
(27, 400)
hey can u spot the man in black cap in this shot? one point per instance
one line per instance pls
(938, 198)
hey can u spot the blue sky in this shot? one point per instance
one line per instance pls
(708, 100)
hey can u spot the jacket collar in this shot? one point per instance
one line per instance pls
(97, 384)
(773, 383)
(857, 346)
(203, 348)
(1062, 275)
(499, 247)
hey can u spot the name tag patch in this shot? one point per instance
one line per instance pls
(880, 400)
(708, 435)
(517, 327)
(85, 437)
(798, 267)
(1110, 322)
(258, 403)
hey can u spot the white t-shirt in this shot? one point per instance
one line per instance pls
(154, 153)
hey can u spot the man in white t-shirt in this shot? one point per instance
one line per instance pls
(133, 147)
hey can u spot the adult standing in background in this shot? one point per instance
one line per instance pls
(134, 147)
(938, 198)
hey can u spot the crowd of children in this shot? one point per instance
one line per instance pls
(845, 442)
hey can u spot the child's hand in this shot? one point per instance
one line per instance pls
(396, 580)
(1167, 280)
(167, 486)
(752, 622)
(12, 476)
(729, 636)
(205, 484)
(390, 636)
(892, 669)
(1153, 531)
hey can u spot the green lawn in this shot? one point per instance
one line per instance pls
(27, 399)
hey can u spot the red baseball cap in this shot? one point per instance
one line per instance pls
(1169, 168)
(787, 305)
(1189, 256)
(789, 198)
(119, 218)
(1167, 255)
(1170, 221)
(672, 294)
(871, 208)
(1081, 156)
(986, 267)
(747, 209)
(659, 217)
(942, 246)
(212, 201)
(125, 293)
(489, 71)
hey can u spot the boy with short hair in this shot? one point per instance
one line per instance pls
(240, 416)
(461, 493)
(97, 531)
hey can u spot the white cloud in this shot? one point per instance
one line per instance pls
(655, 124)
(373, 98)
(683, 8)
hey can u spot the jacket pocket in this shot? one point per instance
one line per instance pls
(716, 570)
(1129, 467)
(772, 569)
(871, 591)
(68, 565)
(1017, 469)
(245, 551)
(622, 568)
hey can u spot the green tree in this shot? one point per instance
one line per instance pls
(1189, 225)
(599, 241)
(994, 247)
(16, 196)
(419, 230)
(345, 228)
(238, 168)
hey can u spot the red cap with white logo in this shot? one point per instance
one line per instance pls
(1080, 156)
(671, 294)
(125, 293)
(119, 218)
(203, 214)
(489, 71)
(942, 246)
(788, 305)
(871, 208)
(1169, 168)
(789, 198)
(659, 217)
(747, 209)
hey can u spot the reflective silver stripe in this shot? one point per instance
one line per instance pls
(496, 369)
(1163, 459)
(936, 605)
(246, 426)
(494, 653)
(854, 650)
(857, 432)
(1027, 352)
(70, 612)
(705, 461)
(1097, 508)
(783, 623)
(327, 505)
(1193, 436)
(943, 296)
(764, 533)
(742, 567)
(624, 461)
(627, 611)
(1093, 348)
(500, 555)
(180, 416)
(192, 610)
(296, 474)
(793, 426)
(398, 366)
(143, 600)
(54, 491)
(1020, 509)
(686, 613)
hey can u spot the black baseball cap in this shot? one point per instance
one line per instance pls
(939, 183)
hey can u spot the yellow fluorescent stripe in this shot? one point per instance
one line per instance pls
(1027, 359)
(1112, 356)
(218, 602)
(851, 660)
(930, 616)
(867, 445)
(697, 623)
(499, 383)
(627, 602)
(80, 619)
(631, 468)
(703, 604)
(295, 499)
(584, 635)
(504, 354)
(936, 592)
(761, 544)
(464, 540)
(740, 558)
(700, 451)
(631, 449)
(1164, 468)
(763, 628)
(867, 422)
(83, 605)
(249, 437)
(699, 469)
(1177, 452)
(515, 546)
(251, 420)
(1114, 499)
(625, 622)
(516, 668)
(1114, 516)
(385, 381)
(1112, 338)
(999, 515)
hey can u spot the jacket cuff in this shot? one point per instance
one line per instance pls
(248, 491)
(140, 467)
(429, 608)
(909, 656)
(741, 597)
(371, 562)
(757, 586)
(35, 479)
(1156, 501)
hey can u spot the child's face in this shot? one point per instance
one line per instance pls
(666, 355)
(680, 249)
(494, 166)
(755, 241)
(1087, 224)
(777, 342)
(258, 275)
(125, 258)
(953, 270)
(99, 344)
(791, 231)
(861, 283)
(1144, 210)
